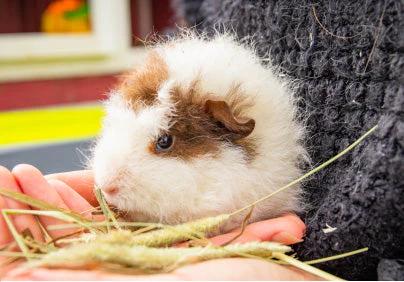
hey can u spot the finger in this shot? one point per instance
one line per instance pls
(289, 224)
(33, 184)
(21, 222)
(5, 235)
(72, 199)
(287, 229)
(81, 180)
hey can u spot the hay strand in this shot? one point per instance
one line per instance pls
(109, 215)
(306, 267)
(55, 214)
(169, 235)
(17, 237)
(41, 205)
(340, 256)
(311, 172)
(150, 259)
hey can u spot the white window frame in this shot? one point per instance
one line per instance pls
(110, 35)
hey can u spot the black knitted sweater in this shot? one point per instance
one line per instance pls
(347, 57)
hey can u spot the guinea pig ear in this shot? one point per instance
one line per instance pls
(221, 112)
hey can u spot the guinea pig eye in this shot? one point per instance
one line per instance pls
(164, 142)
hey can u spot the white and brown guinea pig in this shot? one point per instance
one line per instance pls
(201, 129)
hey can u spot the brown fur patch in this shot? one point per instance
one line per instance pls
(139, 87)
(197, 132)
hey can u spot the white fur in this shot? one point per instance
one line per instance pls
(170, 190)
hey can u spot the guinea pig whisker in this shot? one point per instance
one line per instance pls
(86, 160)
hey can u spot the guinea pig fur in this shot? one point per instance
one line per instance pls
(200, 129)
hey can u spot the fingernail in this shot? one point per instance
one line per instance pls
(286, 238)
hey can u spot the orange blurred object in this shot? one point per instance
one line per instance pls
(64, 16)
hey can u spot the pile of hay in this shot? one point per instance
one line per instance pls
(137, 247)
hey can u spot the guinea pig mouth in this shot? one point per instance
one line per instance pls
(111, 195)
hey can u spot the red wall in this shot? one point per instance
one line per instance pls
(16, 95)
(21, 15)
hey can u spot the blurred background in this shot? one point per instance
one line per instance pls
(58, 59)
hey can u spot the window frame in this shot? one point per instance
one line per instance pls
(110, 34)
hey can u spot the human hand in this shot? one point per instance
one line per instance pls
(74, 190)
(29, 180)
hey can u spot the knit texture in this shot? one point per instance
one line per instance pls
(391, 270)
(347, 59)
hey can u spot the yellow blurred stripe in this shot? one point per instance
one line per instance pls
(49, 124)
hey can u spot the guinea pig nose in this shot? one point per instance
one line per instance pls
(110, 190)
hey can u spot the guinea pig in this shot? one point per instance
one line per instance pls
(202, 128)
